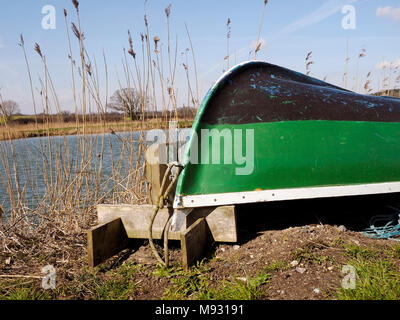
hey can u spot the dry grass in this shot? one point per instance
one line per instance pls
(59, 182)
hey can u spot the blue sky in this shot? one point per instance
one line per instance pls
(290, 30)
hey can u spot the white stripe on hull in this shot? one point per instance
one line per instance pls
(222, 199)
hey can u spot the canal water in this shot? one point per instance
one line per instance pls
(38, 163)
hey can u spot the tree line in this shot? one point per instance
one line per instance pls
(124, 103)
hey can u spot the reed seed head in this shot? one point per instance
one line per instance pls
(38, 50)
(366, 86)
(309, 64)
(168, 10)
(132, 53)
(77, 33)
(130, 38)
(156, 40)
(76, 4)
(89, 68)
(22, 42)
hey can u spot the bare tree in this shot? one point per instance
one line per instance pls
(127, 101)
(9, 108)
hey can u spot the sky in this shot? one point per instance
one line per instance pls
(290, 30)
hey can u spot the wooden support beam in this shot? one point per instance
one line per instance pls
(106, 240)
(118, 223)
(194, 241)
(136, 218)
(221, 222)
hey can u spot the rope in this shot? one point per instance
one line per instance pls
(160, 205)
(389, 231)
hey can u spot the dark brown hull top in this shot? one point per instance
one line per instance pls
(261, 92)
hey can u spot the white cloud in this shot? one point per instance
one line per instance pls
(393, 13)
(388, 64)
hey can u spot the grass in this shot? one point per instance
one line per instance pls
(117, 288)
(98, 284)
(377, 274)
(237, 289)
(195, 284)
(23, 290)
(396, 252)
(188, 284)
(278, 265)
(376, 279)
(308, 254)
(118, 284)
(359, 252)
(124, 282)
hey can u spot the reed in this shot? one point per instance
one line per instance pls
(58, 179)
(228, 36)
(309, 63)
(362, 54)
(258, 44)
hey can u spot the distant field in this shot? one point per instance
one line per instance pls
(15, 130)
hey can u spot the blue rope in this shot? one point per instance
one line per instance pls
(389, 231)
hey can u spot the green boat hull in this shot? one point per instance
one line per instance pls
(300, 138)
(298, 154)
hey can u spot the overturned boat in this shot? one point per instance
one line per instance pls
(266, 133)
(263, 133)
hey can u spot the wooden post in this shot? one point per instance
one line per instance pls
(155, 169)
(106, 240)
(194, 241)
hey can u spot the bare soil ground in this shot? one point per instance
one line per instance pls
(287, 251)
